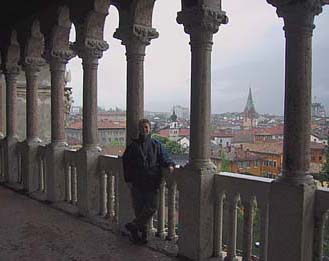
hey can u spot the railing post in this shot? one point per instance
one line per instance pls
(292, 196)
(201, 19)
(104, 193)
(161, 211)
(172, 188)
(248, 205)
(218, 227)
(232, 226)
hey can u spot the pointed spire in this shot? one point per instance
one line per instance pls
(249, 110)
(173, 117)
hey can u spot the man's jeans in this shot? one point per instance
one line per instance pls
(145, 204)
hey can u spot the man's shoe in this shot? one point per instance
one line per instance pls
(134, 237)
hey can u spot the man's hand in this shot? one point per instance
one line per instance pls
(171, 169)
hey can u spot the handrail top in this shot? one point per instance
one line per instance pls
(110, 156)
(71, 150)
(322, 189)
(243, 176)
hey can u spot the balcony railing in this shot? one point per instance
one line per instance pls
(232, 193)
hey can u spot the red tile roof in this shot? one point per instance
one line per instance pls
(268, 148)
(276, 130)
(103, 124)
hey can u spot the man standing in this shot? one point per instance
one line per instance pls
(142, 162)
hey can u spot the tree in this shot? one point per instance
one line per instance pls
(324, 175)
(225, 166)
(171, 146)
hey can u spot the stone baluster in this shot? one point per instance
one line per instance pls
(218, 227)
(232, 226)
(68, 180)
(161, 211)
(110, 196)
(74, 185)
(248, 205)
(319, 234)
(200, 21)
(172, 189)
(264, 218)
(294, 192)
(103, 190)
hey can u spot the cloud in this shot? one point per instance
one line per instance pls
(248, 50)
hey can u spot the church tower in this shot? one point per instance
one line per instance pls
(249, 113)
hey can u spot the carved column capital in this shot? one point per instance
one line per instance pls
(91, 49)
(136, 33)
(33, 64)
(202, 18)
(61, 55)
(298, 16)
(12, 70)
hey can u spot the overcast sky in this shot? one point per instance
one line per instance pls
(247, 52)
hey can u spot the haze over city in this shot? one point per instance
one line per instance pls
(247, 52)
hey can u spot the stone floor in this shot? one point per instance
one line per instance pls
(31, 230)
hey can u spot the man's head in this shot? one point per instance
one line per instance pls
(144, 127)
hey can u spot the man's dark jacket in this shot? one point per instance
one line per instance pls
(142, 162)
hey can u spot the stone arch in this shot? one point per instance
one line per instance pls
(189, 3)
(136, 12)
(34, 46)
(60, 32)
(93, 21)
(142, 12)
(11, 53)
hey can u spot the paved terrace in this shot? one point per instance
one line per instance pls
(31, 230)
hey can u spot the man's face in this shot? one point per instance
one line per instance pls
(145, 129)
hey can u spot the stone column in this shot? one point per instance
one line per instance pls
(135, 38)
(291, 230)
(55, 158)
(196, 212)
(11, 170)
(88, 178)
(298, 27)
(32, 72)
(32, 69)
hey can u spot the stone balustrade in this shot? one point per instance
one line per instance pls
(41, 156)
(71, 177)
(230, 192)
(248, 190)
(20, 150)
(321, 220)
